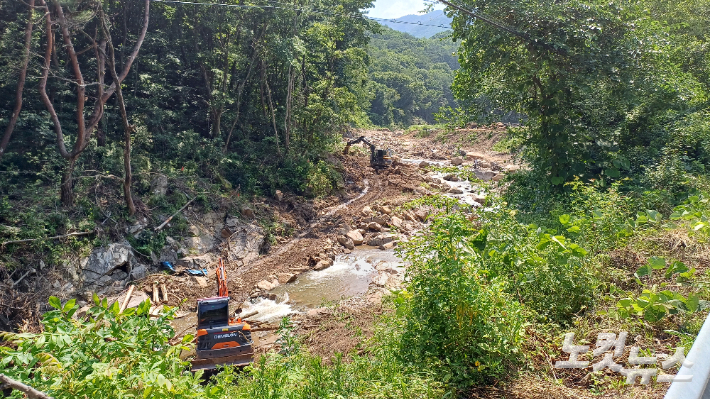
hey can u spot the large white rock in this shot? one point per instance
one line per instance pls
(356, 237)
(108, 264)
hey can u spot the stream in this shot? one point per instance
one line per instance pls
(350, 275)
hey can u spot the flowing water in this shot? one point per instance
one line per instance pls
(349, 276)
(470, 192)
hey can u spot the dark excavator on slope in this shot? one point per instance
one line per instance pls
(221, 340)
(379, 159)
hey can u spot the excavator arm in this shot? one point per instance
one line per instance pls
(360, 139)
(222, 290)
(379, 159)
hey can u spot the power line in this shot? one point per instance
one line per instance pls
(283, 6)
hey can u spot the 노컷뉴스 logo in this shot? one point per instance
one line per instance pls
(612, 347)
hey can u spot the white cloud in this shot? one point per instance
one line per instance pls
(398, 8)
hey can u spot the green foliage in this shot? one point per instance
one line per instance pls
(602, 84)
(110, 354)
(655, 306)
(695, 214)
(302, 376)
(457, 320)
(409, 79)
(102, 354)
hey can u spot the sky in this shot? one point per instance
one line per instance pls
(397, 8)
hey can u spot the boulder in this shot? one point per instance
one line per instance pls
(265, 285)
(346, 242)
(245, 243)
(381, 279)
(512, 168)
(498, 177)
(397, 222)
(421, 191)
(323, 264)
(285, 278)
(279, 195)
(457, 161)
(484, 164)
(386, 210)
(374, 241)
(108, 264)
(451, 177)
(387, 246)
(159, 185)
(485, 175)
(381, 239)
(139, 272)
(424, 164)
(455, 191)
(196, 262)
(194, 230)
(201, 244)
(374, 226)
(387, 238)
(355, 236)
(474, 155)
(366, 211)
(421, 214)
(381, 220)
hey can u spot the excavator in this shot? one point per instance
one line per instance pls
(221, 340)
(379, 159)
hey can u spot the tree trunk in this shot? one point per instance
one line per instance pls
(127, 128)
(20, 84)
(66, 193)
(240, 89)
(84, 130)
(271, 106)
(289, 100)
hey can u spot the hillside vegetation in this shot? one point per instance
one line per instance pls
(602, 226)
(410, 79)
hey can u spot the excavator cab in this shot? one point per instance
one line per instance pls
(379, 159)
(221, 340)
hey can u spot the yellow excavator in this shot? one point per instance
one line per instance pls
(379, 159)
(221, 339)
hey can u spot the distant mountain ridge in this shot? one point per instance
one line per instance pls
(436, 18)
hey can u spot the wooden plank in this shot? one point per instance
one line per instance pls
(128, 298)
(165, 292)
(156, 294)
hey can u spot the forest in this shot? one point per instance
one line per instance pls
(591, 212)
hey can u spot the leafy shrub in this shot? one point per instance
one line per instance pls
(544, 270)
(103, 354)
(457, 321)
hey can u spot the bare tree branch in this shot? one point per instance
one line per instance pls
(20, 84)
(28, 390)
(83, 233)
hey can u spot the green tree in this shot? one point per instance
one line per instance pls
(596, 80)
